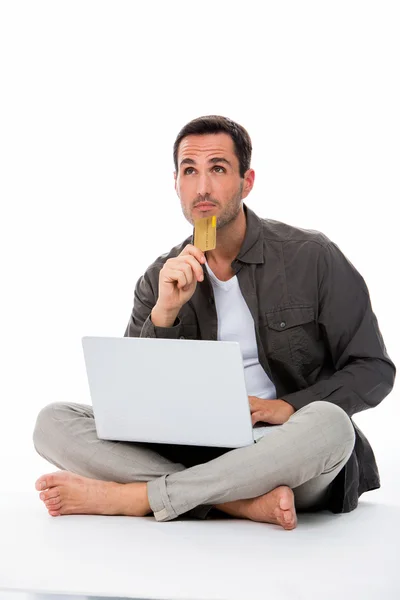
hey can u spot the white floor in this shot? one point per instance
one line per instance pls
(13, 595)
(350, 556)
(29, 596)
(328, 556)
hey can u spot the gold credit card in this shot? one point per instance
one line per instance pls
(205, 233)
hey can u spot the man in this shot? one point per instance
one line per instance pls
(313, 356)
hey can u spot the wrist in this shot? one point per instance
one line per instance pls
(163, 318)
(290, 407)
(287, 405)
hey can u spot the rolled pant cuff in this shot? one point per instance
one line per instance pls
(161, 506)
(159, 500)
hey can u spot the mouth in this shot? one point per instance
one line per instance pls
(204, 206)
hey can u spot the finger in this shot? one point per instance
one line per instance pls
(176, 265)
(196, 252)
(263, 417)
(187, 270)
(252, 403)
(188, 264)
(256, 417)
(175, 275)
(256, 405)
(194, 264)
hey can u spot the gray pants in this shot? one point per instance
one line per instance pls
(305, 453)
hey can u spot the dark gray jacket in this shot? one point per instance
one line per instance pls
(317, 336)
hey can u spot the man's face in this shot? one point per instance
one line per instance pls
(208, 171)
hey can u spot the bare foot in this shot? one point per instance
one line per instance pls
(65, 493)
(275, 507)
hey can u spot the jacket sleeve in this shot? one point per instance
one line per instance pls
(364, 372)
(145, 298)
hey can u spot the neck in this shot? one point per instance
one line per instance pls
(229, 241)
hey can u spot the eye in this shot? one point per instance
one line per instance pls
(188, 170)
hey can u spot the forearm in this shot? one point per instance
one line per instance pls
(360, 385)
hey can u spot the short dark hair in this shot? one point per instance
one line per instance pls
(218, 124)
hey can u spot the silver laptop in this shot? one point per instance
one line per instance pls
(169, 391)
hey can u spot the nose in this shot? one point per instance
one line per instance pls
(203, 186)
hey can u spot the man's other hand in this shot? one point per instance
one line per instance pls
(275, 412)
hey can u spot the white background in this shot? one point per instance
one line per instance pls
(92, 97)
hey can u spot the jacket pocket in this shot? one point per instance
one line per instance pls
(292, 337)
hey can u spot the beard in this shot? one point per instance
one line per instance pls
(229, 213)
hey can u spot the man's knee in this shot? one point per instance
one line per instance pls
(335, 424)
(44, 423)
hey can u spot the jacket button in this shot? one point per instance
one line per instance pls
(283, 324)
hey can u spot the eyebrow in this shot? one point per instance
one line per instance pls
(190, 161)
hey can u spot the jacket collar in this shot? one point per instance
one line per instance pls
(252, 250)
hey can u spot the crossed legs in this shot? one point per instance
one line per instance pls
(290, 468)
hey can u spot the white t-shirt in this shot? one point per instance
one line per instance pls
(236, 324)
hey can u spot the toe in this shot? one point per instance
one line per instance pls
(53, 501)
(286, 499)
(51, 493)
(287, 516)
(290, 520)
(43, 482)
(38, 484)
(279, 518)
(49, 480)
(56, 508)
(284, 518)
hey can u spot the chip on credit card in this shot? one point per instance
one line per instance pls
(205, 233)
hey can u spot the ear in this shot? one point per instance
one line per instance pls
(249, 178)
(175, 183)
